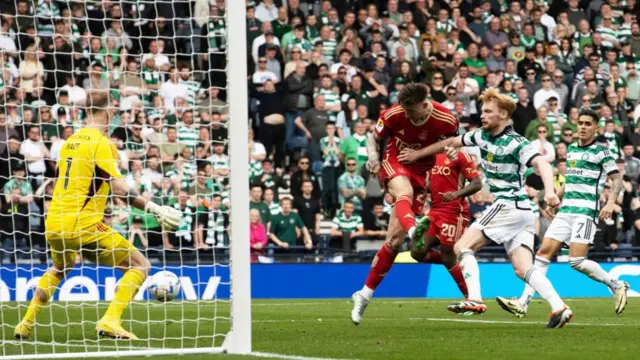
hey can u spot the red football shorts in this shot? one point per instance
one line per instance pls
(447, 226)
(391, 168)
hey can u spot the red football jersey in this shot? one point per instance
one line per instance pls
(402, 133)
(447, 176)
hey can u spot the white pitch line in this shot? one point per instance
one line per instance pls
(297, 302)
(478, 321)
(63, 345)
(520, 322)
(288, 357)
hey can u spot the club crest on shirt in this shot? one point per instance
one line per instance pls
(380, 125)
(585, 156)
(423, 135)
(499, 150)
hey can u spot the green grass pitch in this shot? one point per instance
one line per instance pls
(392, 329)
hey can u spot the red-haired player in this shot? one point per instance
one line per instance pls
(416, 122)
(449, 213)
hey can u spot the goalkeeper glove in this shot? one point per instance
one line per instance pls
(167, 216)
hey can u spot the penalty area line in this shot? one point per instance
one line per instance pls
(287, 357)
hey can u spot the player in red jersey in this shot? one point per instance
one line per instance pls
(449, 213)
(416, 122)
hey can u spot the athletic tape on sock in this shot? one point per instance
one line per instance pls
(543, 260)
(463, 253)
(576, 261)
(528, 274)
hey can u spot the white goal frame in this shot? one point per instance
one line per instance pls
(238, 339)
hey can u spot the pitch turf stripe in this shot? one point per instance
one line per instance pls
(289, 357)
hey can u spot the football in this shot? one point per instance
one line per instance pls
(165, 286)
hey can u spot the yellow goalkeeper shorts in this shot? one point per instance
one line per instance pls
(99, 244)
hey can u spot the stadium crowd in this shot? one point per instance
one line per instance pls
(320, 74)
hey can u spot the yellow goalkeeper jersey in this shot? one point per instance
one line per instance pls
(87, 162)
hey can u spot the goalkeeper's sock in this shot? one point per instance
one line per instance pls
(542, 264)
(381, 265)
(125, 291)
(456, 274)
(543, 287)
(48, 284)
(404, 213)
(471, 274)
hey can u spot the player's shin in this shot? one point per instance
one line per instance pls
(542, 264)
(471, 273)
(543, 286)
(126, 289)
(450, 261)
(47, 286)
(458, 277)
(404, 213)
(593, 270)
(379, 268)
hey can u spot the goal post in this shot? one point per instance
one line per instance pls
(238, 341)
(212, 313)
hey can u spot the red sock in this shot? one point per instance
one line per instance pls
(404, 213)
(432, 257)
(380, 267)
(456, 274)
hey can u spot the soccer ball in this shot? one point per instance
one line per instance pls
(165, 286)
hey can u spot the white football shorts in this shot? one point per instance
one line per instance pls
(504, 224)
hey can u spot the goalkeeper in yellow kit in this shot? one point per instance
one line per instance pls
(87, 170)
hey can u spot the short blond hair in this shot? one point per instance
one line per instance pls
(503, 101)
(97, 101)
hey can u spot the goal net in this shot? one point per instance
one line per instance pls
(179, 90)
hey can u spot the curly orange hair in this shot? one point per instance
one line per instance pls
(503, 101)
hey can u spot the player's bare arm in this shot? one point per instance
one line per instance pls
(616, 187)
(408, 156)
(471, 188)
(373, 163)
(546, 173)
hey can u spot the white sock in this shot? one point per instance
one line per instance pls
(366, 293)
(412, 232)
(471, 273)
(542, 265)
(543, 286)
(593, 270)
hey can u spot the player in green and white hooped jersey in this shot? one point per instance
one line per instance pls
(589, 165)
(509, 221)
